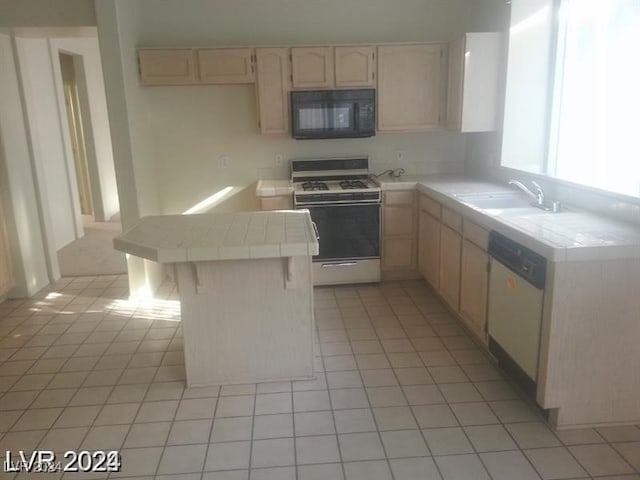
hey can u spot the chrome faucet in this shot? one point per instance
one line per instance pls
(393, 173)
(538, 196)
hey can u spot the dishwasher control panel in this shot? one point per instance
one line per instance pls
(519, 259)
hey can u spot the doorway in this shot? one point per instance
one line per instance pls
(76, 132)
(92, 253)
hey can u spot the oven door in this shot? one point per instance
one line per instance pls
(347, 232)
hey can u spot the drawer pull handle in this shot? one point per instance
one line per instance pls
(340, 264)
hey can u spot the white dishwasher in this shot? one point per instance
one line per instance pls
(516, 295)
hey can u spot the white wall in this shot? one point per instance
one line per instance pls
(96, 126)
(16, 176)
(53, 169)
(193, 127)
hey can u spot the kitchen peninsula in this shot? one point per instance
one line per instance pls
(245, 288)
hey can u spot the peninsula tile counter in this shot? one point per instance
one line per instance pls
(246, 292)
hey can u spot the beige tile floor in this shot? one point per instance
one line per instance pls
(402, 393)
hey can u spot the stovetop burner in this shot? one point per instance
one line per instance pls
(314, 186)
(352, 184)
(333, 181)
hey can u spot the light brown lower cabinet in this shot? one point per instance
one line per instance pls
(450, 256)
(429, 248)
(473, 287)
(455, 265)
(399, 233)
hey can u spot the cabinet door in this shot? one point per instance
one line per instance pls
(312, 67)
(6, 272)
(399, 232)
(473, 287)
(409, 87)
(429, 249)
(473, 82)
(398, 253)
(398, 220)
(272, 65)
(450, 251)
(226, 65)
(167, 67)
(355, 66)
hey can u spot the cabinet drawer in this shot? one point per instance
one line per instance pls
(430, 206)
(452, 219)
(405, 197)
(475, 233)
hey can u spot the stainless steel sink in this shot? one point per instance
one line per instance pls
(495, 200)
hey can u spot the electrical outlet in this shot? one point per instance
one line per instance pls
(279, 159)
(400, 155)
(224, 161)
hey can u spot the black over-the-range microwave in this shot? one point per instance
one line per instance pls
(333, 114)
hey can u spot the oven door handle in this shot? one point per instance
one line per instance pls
(339, 264)
(315, 229)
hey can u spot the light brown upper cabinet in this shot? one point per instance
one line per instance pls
(312, 67)
(6, 271)
(280, 202)
(167, 67)
(226, 65)
(272, 68)
(474, 73)
(474, 278)
(409, 84)
(355, 66)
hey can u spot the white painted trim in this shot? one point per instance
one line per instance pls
(37, 170)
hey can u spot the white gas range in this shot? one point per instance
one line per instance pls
(345, 207)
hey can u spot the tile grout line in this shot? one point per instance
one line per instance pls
(333, 417)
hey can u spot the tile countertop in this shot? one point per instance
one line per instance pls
(571, 235)
(227, 236)
(273, 188)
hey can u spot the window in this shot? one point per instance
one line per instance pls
(575, 118)
(595, 130)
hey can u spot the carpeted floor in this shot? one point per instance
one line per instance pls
(93, 254)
